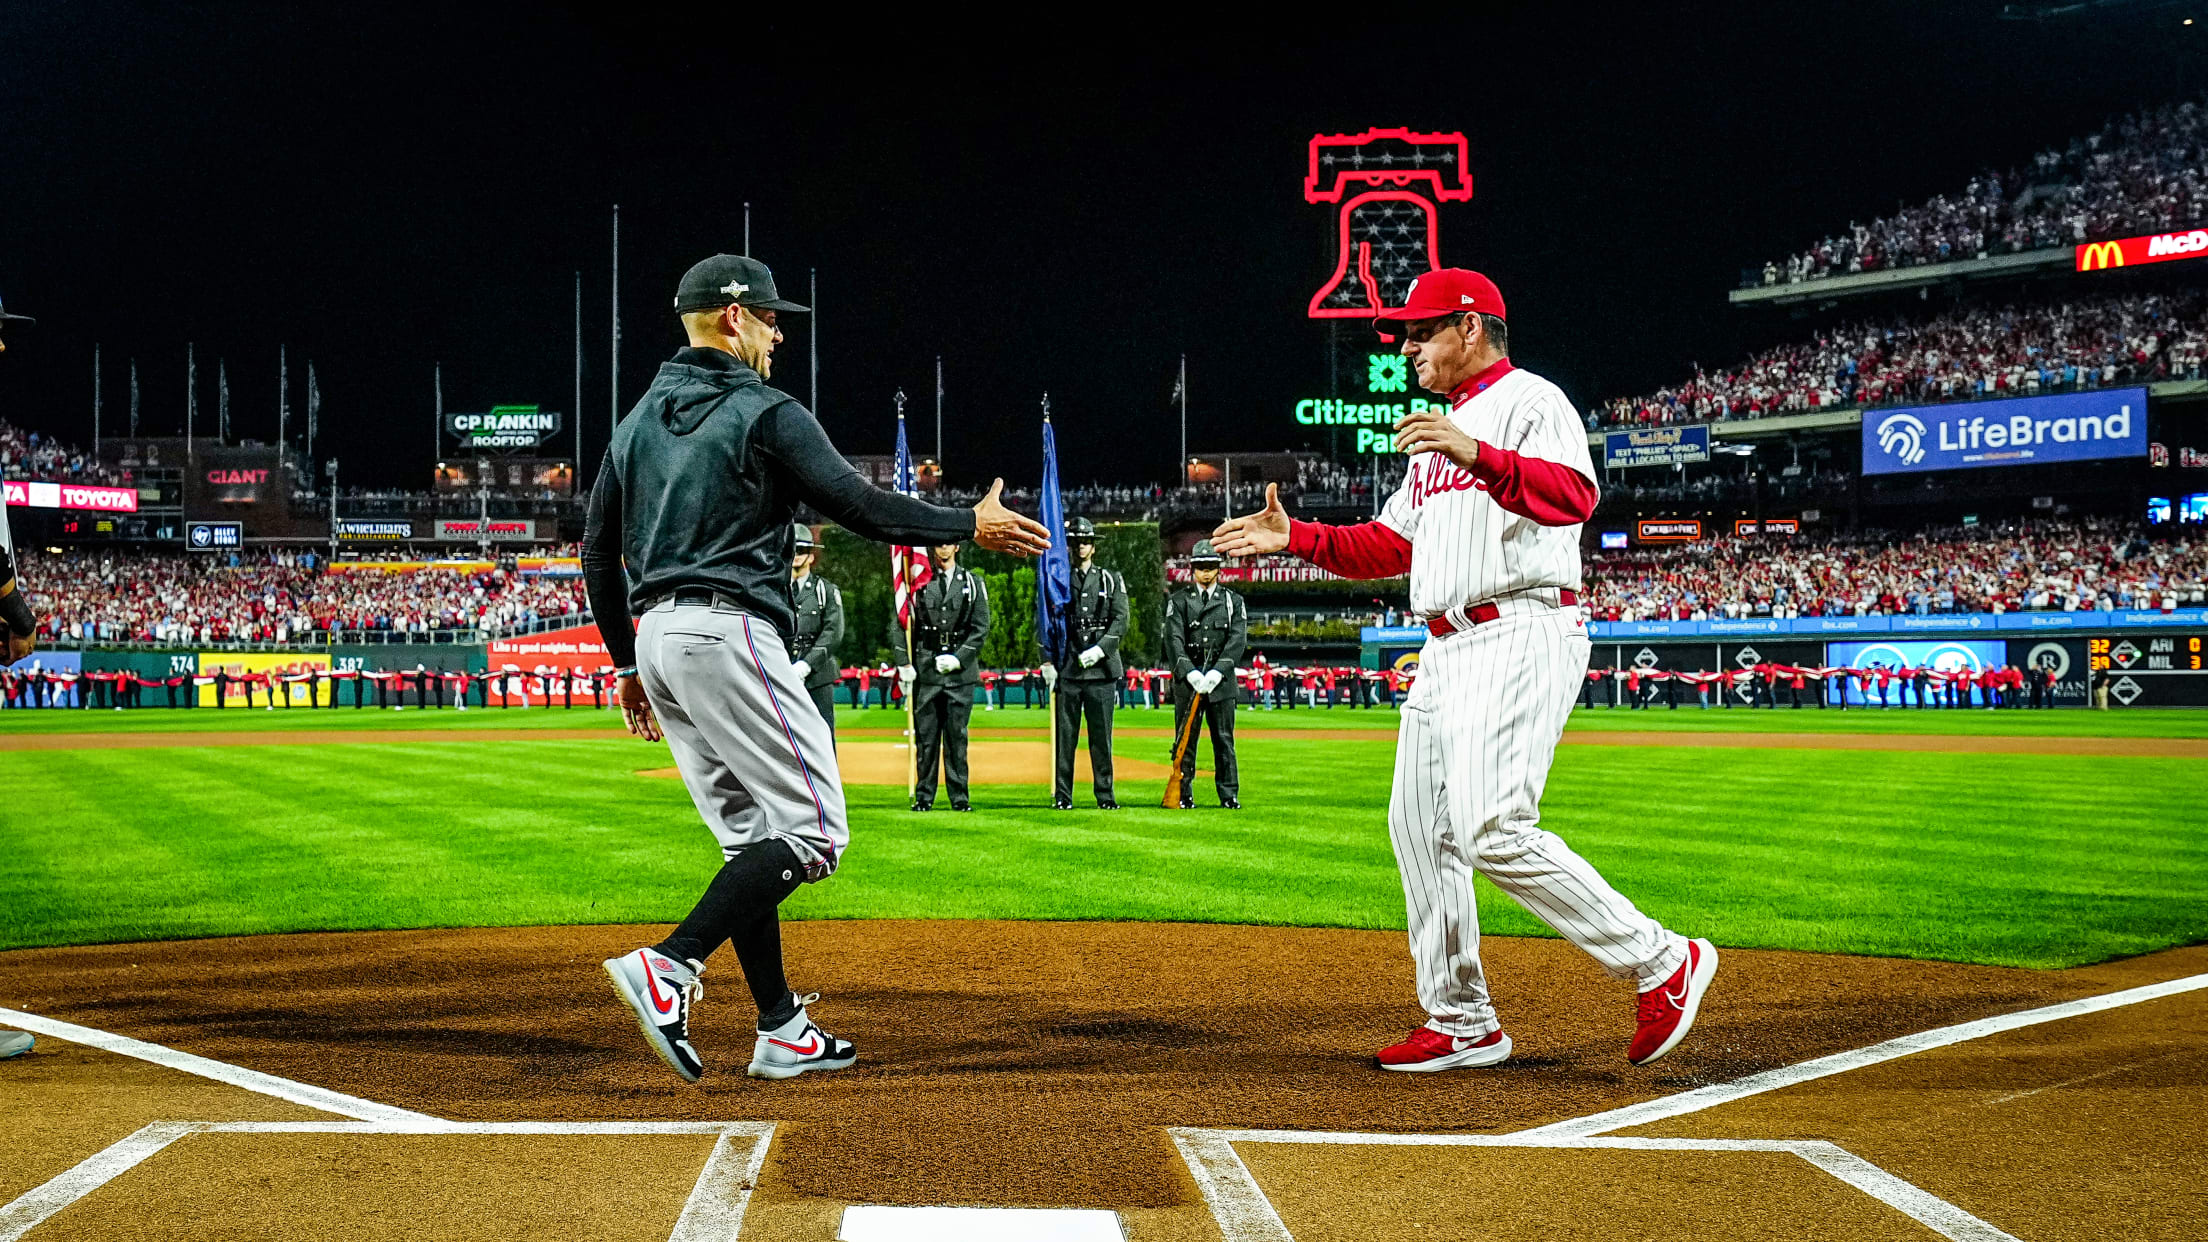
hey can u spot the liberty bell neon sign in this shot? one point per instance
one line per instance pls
(1385, 184)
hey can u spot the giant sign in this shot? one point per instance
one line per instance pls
(1655, 446)
(1943, 655)
(505, 427)
(2082, 426)
(2147, 248)
(1384, 185)
(37, 495)
(1374, 420)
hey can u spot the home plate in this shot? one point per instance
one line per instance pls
(960, 1224)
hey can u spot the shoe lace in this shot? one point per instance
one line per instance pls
(693, 988)
(807, 999)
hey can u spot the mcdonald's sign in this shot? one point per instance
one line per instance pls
(2151, 248)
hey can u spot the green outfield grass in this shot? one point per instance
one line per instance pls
(2023, 860)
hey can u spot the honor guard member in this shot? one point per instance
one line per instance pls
(819, 608)
(1096, 621)
(1206, 627)
(950, 618)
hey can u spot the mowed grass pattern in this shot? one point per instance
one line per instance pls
(2021, 860)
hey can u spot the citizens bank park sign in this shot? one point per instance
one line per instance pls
(71, 496)
(506, 426)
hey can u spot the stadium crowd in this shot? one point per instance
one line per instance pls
(2143, 173)
(272, 597)
(2009, 351)
(2039, 566)
(33, 455)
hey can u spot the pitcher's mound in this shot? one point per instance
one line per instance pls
(987, 763)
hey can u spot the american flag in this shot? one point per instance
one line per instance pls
(909, 569)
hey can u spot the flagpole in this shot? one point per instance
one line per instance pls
(191, 396)
(812, 333)
(1183, 386)
(577, 474)
(283, 410)
(939, 420)
(912, 599)
(613, 389)
(1050, 689)
(95, 401)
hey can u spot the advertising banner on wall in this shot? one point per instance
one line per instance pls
(270, 664)
(383, 532)
(1655, 446)
(35, 495)
(2023, 431)
(578, 648)
(1944, 655)
(502, 530)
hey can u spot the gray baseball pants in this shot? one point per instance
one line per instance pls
(758, 760)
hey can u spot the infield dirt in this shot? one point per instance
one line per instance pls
(1001, 1063)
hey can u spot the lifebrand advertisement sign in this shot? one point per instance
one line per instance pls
(2082, 426)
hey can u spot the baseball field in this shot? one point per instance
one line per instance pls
(349, 961)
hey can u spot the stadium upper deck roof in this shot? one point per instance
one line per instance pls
(2052, 260)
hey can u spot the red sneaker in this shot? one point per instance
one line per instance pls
(1428, 1050)
(1666, 1012)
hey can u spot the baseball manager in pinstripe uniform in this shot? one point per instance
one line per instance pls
(1487, 526)
(690, 531)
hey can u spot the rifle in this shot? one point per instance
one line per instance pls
(1173, 782)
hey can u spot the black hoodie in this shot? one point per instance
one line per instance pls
(700, 488)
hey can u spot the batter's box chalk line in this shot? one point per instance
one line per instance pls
(1246, 1215)
(714, 1211)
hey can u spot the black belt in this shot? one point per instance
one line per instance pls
(705, 597)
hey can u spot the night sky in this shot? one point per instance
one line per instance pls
(1065, 204)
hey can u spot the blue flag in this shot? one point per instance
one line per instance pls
(1054, 572)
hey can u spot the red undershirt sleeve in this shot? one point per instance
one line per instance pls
(1546, 491)
(1366, 550)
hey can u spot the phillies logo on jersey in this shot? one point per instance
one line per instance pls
(1438, 475)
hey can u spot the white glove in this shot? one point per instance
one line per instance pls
(946, 663)
(1196, 680)
(1090, 657)
(1050, 675)
(801, 668)
(1211, 681)
(905, 674)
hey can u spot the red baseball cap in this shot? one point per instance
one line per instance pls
(1446, 291)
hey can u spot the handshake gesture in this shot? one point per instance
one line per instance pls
(1001, 530)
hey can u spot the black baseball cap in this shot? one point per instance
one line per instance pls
(730, 280)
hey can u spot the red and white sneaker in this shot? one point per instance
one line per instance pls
(1427, 1050)
(1667, 1012)
(660, 992)
(799, 1046)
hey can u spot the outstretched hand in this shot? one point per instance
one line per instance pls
(1001, 530)
(1257, 533)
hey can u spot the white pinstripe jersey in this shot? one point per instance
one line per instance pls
(1465, 548)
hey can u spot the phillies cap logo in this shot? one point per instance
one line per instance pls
(1902, 435)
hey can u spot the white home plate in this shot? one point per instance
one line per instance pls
(956, 1224)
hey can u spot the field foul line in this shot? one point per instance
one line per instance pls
(1246, 1215)
(232, 1075)
(1840, 1063)
(714, 1210)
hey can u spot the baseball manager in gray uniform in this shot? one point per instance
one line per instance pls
(689, 531)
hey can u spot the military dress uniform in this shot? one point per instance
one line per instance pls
(950, 617)
(1205, 632)
(1096, 617)
(818, 608)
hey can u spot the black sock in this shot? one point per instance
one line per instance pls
(742, 905)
